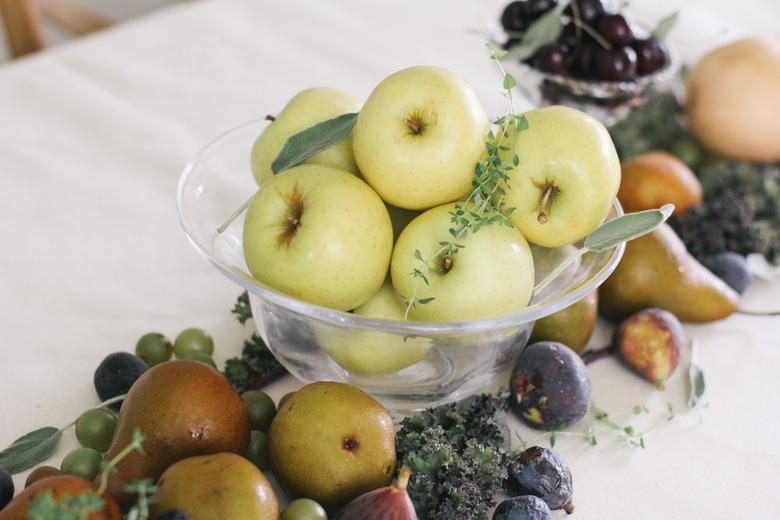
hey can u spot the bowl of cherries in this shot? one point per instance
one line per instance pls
(580, 54)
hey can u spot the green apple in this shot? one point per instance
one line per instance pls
(319, 234)
(492, 275)
(370, 351)
(419, 136)
(569, 174)
(306, 109)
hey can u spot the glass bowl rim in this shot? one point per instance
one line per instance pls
(341, 318)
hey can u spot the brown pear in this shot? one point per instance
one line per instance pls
(572, 326)
(657, 271)
(653, 179)
(183, 408)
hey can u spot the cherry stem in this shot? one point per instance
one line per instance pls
(594, 355)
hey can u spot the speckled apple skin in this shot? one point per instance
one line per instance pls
(339, 254)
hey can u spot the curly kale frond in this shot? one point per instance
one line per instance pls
(456, 454)
(241, 309)
(448, 483)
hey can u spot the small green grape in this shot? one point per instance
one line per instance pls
(95, 429)
(261, 409)
(82, 462)
(304, 509)
(256, 451)
(154, 348)
(193, 340)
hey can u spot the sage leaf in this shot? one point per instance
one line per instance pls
(543, 31)
(313, 140)
(665, 25)
(696, 383)
(31, 449)
(627, 227)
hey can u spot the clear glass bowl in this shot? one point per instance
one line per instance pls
(607, 101)
(407, 365)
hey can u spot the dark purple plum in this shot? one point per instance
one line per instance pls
(116, 374)
(527, 507)
(543, 473)
(536, 8)
(549, 386)
(730, 267)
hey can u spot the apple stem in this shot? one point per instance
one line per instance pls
(413, 124)
(221, 229)
(544, 205)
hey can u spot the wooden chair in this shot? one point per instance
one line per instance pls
(23, 22)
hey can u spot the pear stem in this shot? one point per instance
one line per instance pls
(221, 229)
(270, 118)
(403, 477)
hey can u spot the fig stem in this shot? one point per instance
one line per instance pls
(600, 353)
(403, 477)
(758, 313)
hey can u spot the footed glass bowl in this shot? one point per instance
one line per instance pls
(408, 365)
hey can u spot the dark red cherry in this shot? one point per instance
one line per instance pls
(615, 29)
(536, 8)
(588, 10)
(514, 17)
(651, 56)
(618, 64)
(552, 58)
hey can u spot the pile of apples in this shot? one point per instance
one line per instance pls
(348, 228)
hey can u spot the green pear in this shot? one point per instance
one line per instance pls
(331, 442)
(372, 351)
(306, 109)
(216, 487)
(183, 408)
(572, 326)
(657, 271)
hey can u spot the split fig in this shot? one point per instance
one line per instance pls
(649, 342)
(386, 503)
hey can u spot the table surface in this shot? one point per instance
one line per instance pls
(94, 134)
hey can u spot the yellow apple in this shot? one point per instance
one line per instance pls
(319, 234)
(419, 136)
(568, 176)
(491, 275)
(306, 109)
(370, 351)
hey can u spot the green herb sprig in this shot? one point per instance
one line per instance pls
(81, 505)
(485, 203)
(38, 445)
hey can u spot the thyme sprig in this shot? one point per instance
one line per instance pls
(485, 204)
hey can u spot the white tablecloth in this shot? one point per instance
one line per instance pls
(93, 136)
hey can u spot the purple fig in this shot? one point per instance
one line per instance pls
(649, 342)
(387, 503)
